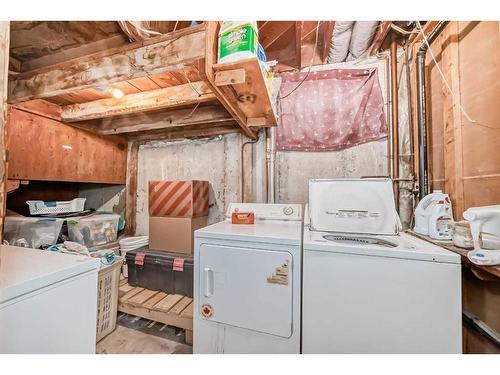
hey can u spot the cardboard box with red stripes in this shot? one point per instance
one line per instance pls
(181, 198)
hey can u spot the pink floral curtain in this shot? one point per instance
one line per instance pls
(331, 110)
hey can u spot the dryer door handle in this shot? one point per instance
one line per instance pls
(209, 281)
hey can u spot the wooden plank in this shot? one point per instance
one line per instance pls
(131, 188)
(207, 74)
(41, 107)
(197, 92)
(181, 305)
(327, 40)
(168, 302)
(44, 149)
(188, 311)
(166, 53)
(154, 300)
(72, 53)
(165, 120)
(197, 132)
(142, 297)
(4, 72)
(124, 289)
(229, 77)
(156, 315)
(247, 164)
(382, 31)
(252, 96)
(189, 337)
(130, 294)
(12, 185)
(123, 280)
(452, 120)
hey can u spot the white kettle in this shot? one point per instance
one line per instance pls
(485, 226)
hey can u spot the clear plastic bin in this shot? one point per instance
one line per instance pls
(32, 231)
(93, 230)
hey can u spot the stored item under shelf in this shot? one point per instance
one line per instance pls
(158, 270)
(131, 243)
(107, 298)
(32, 231)
(56, 207)
(93, 230)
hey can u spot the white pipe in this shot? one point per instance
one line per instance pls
(339, 46)
(362, 37)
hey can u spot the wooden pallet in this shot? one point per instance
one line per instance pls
(170, 309)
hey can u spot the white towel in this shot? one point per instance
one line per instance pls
(484, 257)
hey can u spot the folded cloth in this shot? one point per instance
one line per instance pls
(484, 257)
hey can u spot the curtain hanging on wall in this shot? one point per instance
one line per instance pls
(331, 110)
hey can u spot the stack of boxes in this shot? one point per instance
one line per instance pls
(176, 210)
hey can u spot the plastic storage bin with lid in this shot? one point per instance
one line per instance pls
(32, 231)
(97, 229)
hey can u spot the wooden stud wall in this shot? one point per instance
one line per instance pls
(4, 71)
(469, 167)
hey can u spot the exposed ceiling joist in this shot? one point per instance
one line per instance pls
(198, 132)
(169, 97)
(165, 120)
(171, 52)
(73, 53)
(306, 32)
(383, 29)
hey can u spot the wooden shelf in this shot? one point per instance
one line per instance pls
(481, 272)
(170, 309)
(244, 85)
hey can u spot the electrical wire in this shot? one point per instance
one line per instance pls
(443, 78)
(310, 65)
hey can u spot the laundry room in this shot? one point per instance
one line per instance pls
(272, 186)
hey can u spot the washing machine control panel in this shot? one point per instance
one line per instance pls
(268, 211)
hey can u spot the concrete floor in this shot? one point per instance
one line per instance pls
(134, 335)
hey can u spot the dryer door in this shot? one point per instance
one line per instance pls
(246, 288)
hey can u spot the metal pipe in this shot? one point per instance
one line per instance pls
(272, 161)
(395, 119)
(423, 178)
(243, 165)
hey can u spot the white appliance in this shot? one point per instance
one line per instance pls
(48, 302)
(247, 283)
(369, 293)
(485, 226)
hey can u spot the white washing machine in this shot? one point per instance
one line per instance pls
(247, 282)
(48, 302)
(369, 293)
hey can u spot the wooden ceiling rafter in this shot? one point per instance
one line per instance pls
(164, 74)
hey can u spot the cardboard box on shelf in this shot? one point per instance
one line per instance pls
(178, 198)
(174, 234)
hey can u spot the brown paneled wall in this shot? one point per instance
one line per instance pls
(465, 156)
(45, 149)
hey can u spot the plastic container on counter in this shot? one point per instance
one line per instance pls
(35, 232)
(169, 272)
(94, 230)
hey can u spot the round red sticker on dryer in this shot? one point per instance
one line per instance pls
(206, 310)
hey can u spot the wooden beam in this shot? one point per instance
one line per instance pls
(14, 65)
(196, 132)
(327, 40)
(383, 30)
(167, 53)
(73, 53)
(131, 188)
(229, 77)
(452, 119)
(4, 73)
(169, 97)
(298, 43)
(165, 120)
(40, 107)
(207, 74)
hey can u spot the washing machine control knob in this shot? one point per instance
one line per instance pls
(288, 210)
